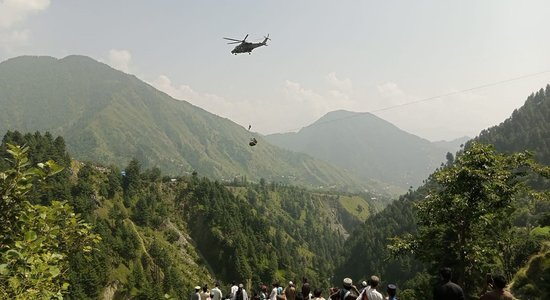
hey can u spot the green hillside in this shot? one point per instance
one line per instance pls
(108, 116)
(528, 128)
(166, 235)
(520, 230)
(368, 146)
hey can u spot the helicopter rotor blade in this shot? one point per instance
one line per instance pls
(235, 40)
(245, 37)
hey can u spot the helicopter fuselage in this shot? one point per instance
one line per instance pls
(246, 47)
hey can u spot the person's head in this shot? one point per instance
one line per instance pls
(347, 282)
(446, 273)
(374, 280)
(500, 282)
(241, 286)
(217, 284)
(317, 292)
(197, 288)
(304, 280)
(275, 284)
(363, 284)
(392, 290)
(205, 288)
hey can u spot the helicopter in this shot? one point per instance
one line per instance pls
(245, 46)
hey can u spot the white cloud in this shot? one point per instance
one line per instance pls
(207, 101)
(390, 90)
(341, 84)
(298, 106)
(16, 11)
(120, 59)
(12, 13)
(13, 39)
(294, 108)
(210, 102)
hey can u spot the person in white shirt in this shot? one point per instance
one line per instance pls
(245, 294)
(273, 295)
(216, 293)
(372, 293)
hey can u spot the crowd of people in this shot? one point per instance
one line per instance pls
(367, 290)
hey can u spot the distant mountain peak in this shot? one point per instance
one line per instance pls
(367, 145)
(110, 117)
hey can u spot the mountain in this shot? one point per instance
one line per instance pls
(528, 128)
(108, 116)
(368, 146)
(453, 145)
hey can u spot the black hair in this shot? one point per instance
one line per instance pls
(446, 273)
(317, 292)
(499, 281)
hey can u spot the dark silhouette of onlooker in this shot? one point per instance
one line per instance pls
(498, 292)
(392, 292)
(447, 290)
(317, 294)
(306, 289)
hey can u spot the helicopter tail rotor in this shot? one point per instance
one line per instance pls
(266, 38)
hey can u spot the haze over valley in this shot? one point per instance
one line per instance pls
(156, 150)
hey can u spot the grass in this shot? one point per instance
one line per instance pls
(356, 206)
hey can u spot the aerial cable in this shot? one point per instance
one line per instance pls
(429, 98)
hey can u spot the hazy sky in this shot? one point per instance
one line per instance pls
(324, 55)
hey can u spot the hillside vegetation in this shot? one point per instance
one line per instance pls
(111, 117)
(471, 179)
(162, 235)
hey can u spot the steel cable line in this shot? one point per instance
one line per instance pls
(428, 99)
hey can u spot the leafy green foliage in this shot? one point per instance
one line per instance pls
(465, 221)
(365, 253)
(371, 248)
(34, 249)
(532, 282)
(163, 235)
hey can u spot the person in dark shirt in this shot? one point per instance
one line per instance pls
(447, 290)
(305, 289)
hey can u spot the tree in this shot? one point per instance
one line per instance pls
(462, 222)
(36, 240)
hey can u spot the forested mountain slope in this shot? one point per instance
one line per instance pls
(528, 128)
(108, 116)
(367, 250)
(166, 235)
(367, 146)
